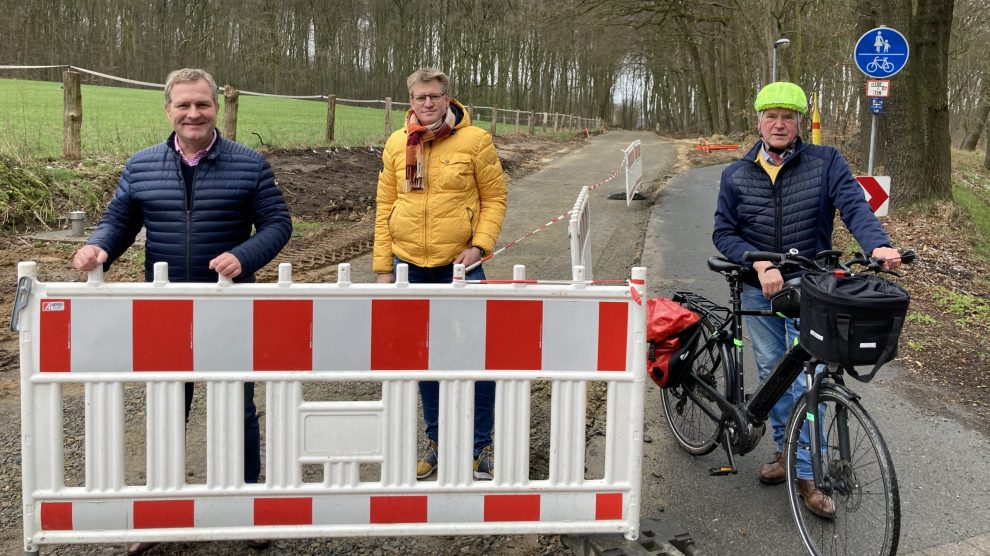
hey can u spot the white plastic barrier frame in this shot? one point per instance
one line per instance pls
(104, 335)
(579, 232)
(634, 169)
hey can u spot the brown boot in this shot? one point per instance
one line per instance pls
(815, 500)
(772, 472)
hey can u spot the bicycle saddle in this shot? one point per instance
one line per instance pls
(725, 266)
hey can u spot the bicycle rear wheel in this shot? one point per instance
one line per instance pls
(694, 430)
(863, 484)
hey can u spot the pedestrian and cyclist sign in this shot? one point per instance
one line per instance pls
(881, 52)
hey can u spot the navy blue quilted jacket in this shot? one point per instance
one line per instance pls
(233, 189)
(798, 211)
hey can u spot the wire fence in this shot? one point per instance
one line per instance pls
(114, 120)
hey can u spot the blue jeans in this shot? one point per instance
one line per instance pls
(429, 391)
(770, 338)
(252, 434)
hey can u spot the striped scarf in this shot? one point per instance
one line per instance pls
(417, 135)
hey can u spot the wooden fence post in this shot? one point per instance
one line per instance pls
(494, 119)
(532, 121)
(331, 115)
(231, 98)
(388, 116)
(72, 115)
(556, 122)
(517, 122)
(545, 116)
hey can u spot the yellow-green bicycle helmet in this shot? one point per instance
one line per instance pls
(782, 94)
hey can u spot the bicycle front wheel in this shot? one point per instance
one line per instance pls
(859, 476)
(694, 430)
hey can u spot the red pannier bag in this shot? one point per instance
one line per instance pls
(672, 331)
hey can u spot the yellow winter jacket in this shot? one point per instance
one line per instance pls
(462, 202)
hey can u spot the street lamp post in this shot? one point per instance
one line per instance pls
(781, 42)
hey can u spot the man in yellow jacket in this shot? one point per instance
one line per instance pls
(441, 201)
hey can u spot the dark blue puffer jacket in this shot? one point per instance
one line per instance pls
(233, 189)
(797, 212)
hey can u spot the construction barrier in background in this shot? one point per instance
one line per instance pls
(579, 232)
(105, 336)
(634, 169)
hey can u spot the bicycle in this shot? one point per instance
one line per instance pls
(708, 406)
(882, 64)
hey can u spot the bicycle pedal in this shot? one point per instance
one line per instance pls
(722, 471)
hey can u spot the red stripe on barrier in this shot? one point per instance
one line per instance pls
(512, 507)
(56, 332)
(163, 514)
(637, 281)
(608, 505)
(56, 516)
(400, 333)
(398, 509)
(513, 335)
(283, 511)
(613, 320)
(283, 335)
(162, 334)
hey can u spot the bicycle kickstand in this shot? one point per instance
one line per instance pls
(729, 469)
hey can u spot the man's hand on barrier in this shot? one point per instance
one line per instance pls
(385, 278)
(771, 280)
(891, 257)
(468, 256)
(226, 265)
(89, 257)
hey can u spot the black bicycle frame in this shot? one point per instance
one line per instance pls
(757, 409)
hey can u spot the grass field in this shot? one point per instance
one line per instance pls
(118, 121)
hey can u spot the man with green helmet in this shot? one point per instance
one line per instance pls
(783, 195)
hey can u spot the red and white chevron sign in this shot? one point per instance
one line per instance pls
(877, 190)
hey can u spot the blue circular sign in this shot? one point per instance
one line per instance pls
(881, 52)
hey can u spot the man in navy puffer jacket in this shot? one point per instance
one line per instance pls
(783, 195)
(198, 196)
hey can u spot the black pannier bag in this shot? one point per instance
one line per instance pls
(852, 320)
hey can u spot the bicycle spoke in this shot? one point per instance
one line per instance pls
(867, 519)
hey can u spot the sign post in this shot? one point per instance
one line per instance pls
(880, 53)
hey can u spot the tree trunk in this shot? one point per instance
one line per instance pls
(979, 119)
(916, 128)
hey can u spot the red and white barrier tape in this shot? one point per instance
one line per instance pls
(548, 224)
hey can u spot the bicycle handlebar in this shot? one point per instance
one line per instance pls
(824, 261)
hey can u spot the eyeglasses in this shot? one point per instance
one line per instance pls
(420, 99)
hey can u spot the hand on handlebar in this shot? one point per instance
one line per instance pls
(771, 280)
(888, 257)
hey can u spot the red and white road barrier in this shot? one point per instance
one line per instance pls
(106, 335)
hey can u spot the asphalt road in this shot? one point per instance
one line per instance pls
(940, 465)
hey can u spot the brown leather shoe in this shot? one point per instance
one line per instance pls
(815, 500)
(772, 472)
(134, 548)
